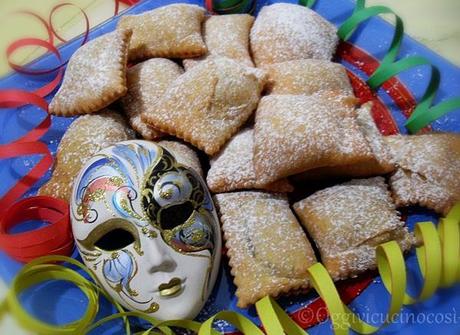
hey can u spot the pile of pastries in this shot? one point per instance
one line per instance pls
(262, 100)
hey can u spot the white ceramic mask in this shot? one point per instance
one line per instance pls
(147, 227)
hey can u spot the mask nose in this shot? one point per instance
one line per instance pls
(157, 256)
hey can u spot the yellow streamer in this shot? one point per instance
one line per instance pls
(438, 257)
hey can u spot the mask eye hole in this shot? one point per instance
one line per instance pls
(115, 239)
(175, 215)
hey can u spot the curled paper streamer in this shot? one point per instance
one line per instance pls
(424, 112)
(230, 6)
(30, 144)
(55, 238)
(437, 256)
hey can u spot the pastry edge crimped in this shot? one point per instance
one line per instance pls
(211, 149)
(245, 299)
(87, 107)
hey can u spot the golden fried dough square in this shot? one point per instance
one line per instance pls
(172, 31)
(226, 36)
(379, 164)
(348, 221)
(428, 170)
(268, 251)
(147, 82)
(308, 76)
(233, 168)
(284, 32)
(86, 136)
(95, 76)
(297, 133)
(209, 103)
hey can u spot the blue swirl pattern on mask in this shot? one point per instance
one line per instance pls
(116, 163)
(119, 269)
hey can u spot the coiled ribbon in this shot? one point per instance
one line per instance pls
(424, 112)
(437, 256)
(26, 246)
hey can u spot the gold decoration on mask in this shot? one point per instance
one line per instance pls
(89, 242)
(150, 233)
(125, 206)
(154, 307)
(169, 289)
(116, 181)
(137, 248)
(166, 194)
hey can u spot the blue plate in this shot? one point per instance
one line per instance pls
(60, 302)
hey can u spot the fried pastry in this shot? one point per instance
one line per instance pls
(86, 136)
(297, 133)
(172, 31)
(380, 163)
(268, 251)
(308, 76)
(226, 36)
(284, 32)
(184, 155)
(428, 170)
(147, 82)
(233, 168)
(348, 221)
(95, 76)
(209, 103)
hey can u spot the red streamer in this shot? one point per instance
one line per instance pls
(55, 238)
(85, 17)
(51, 239)
(34, 244)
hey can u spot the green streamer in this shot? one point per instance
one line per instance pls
(424, 112)
(307, 3)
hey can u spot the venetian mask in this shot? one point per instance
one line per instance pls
(147, 227)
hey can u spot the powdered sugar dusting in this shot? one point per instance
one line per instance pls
(269, 253)
(284, 32)
(308, 76)
(207, 104)
(226, 36)
(428, 170)
(147, 82)
(86, 136)
(295, 133)
(95, 75)
(233, 167)
(169, 31)
(345, 217)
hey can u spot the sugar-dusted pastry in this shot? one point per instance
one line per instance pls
(348, 221)
(296, 133)
(147, 82)
(95, 76)
(379, 164)
(184, 155)
(308, 76)
(284, 32)
(86, 136)
(226, 36)
(209, 103)
(268, 251)
(428, 172)
(172, 31)
(233, 168)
